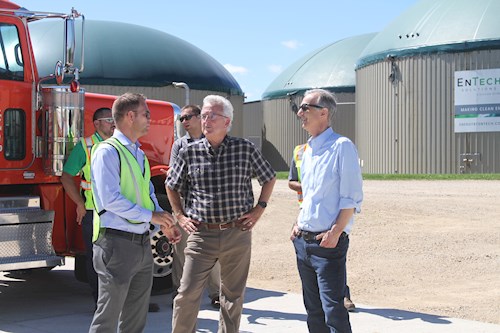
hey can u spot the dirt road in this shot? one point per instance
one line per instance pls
(425, 246)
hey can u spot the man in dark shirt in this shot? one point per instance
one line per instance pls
(215, 175)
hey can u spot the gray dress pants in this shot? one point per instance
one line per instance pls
(125, 271)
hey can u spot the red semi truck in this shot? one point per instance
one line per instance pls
(41, 119)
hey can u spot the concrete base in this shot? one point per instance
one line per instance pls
(54, 302)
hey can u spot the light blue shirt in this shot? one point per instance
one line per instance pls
(105, 174)
(331, 181)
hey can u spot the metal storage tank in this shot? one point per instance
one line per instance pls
(331, 68)
(407, 96)
(121, 57)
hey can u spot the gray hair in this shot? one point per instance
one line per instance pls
(326, 99)
(227, 107)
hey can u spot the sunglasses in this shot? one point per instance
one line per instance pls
(108, 120)
(187, 117)
(306, 106)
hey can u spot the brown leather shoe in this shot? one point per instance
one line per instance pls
(153, 307)
(215, 302)
(349, 305)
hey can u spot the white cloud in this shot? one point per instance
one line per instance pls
(275, 68)
(291, 44)
(236, 69)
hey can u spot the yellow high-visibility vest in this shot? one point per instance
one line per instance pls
(85, 185)
(134, 184)
(298, 151)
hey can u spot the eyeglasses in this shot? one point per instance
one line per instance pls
(211, 116)
(305, 107)
(108, 120)
(186, 117)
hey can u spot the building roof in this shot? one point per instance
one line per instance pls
(330, 67)
(432, 26)
(125, 54)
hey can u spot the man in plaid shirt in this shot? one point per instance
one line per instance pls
(215, 174)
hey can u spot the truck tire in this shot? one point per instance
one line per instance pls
(162, 260)
(162, 252)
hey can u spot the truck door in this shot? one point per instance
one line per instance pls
(16, 98)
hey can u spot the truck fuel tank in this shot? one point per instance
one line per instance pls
(62, 119)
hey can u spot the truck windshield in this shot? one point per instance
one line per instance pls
(11, 59)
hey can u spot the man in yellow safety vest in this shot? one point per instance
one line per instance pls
(125, 207)
(79, 163)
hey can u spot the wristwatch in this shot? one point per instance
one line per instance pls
(263, 204)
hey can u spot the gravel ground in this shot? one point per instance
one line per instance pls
(422, 246)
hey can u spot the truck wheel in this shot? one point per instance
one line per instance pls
(162, 260)
(161, 248)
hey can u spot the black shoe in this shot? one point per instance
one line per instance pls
(215, 302)
(349, 305)
(153, 307)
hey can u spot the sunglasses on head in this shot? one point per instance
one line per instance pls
(186, 117)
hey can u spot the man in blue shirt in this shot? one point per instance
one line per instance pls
(125, 206)
(294, 184)
(332, 192)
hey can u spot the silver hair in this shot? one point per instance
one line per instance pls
(227, 107)
(326, 99)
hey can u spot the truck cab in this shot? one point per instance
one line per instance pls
(41, 120)
(25, 226)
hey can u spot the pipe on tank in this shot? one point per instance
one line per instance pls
(186, 87)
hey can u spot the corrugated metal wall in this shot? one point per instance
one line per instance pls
(282, 130)
(253, 122)
(177, 96)
(406, 126)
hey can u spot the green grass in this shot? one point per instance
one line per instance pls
(473, 176)
(281, 174)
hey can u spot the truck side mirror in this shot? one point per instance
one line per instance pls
(59, 73)
(69, 42)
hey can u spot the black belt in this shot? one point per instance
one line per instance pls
(310, 236)
(139, 238)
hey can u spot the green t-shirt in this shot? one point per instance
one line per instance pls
(76, 160)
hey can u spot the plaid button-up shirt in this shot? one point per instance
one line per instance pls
(218, 183)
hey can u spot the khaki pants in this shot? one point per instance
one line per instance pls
(213, 284)
(232, 248)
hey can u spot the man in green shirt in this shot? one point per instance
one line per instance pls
(79, 163)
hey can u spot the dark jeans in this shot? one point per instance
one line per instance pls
(87, 229)
(323, 275)
(347, 290)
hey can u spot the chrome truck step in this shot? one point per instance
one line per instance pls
(26, 234)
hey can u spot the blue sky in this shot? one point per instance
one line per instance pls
(255, 40)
